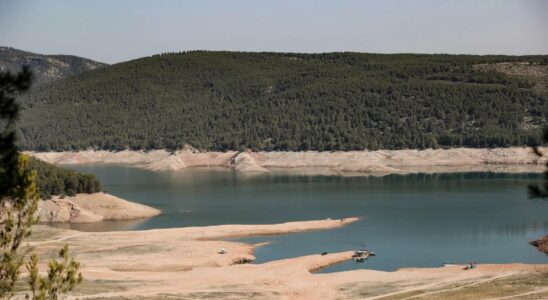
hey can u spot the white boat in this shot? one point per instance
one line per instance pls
(360, 259)
(362, 255)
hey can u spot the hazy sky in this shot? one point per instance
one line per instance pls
(118, 30)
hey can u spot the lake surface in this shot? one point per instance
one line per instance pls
(415, 220)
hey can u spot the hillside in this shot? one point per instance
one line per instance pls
(57, 181)
(274, 101)
(45, 68)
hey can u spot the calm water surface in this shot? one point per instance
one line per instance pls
(408, 220)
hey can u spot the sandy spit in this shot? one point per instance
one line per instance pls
(516, 159)
(88, 208)
(184, 263)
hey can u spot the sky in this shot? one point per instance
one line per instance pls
(119, 30)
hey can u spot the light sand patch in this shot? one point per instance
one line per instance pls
(88, 208)
(184, 263)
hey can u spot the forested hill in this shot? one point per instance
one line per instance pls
(56, 181)
(275, 101)
(45, 68)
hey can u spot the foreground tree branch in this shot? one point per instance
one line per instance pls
(18, 204)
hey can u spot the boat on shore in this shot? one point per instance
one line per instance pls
(362, 255)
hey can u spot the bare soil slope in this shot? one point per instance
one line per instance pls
(366, 162)
(87, 208)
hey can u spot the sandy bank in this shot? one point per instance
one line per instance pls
(369, 162)
(184, 263)
(172, 249)
(88, 208)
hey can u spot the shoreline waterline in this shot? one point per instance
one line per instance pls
(351, 163)
(174, 261)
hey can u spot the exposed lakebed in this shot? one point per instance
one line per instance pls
(416, 220)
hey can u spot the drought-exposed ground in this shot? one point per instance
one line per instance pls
(87, 208)
(184, 263)
(358, 162)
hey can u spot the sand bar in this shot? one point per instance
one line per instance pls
(184, 263)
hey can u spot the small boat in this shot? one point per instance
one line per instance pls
(360, 259)
(469, 266)
(363, 253)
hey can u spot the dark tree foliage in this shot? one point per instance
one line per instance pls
(284, 101)
(10, 86)
(53, 180)
(540, 190)
(18, 205)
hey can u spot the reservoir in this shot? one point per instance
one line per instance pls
(417, 220)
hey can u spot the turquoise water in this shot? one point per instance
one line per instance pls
(408, 220)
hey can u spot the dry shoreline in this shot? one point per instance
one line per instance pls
(184, 263)
(89, 208)
(516, 159)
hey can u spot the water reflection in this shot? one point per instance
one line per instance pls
(409, 220)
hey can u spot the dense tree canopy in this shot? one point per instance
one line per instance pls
(277, 101)
(53, 180)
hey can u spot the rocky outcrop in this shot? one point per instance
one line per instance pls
(244, 162)
(45, 68)
(541, 244)
(89, 208)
